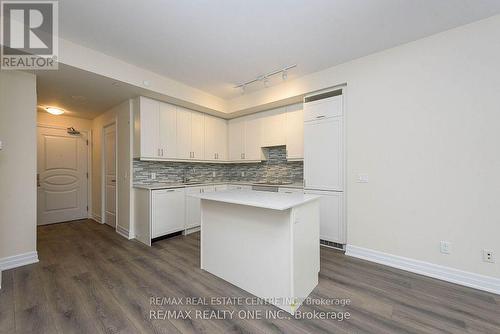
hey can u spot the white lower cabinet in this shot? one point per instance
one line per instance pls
(167, 211)
(332, 222)
(193, 211)
(290, 190)
(239, 187)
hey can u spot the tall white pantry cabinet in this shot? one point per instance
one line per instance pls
(324, 158)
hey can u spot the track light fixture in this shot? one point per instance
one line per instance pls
(265, 78)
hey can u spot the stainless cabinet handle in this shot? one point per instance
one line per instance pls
(170, 191)
(321, 116)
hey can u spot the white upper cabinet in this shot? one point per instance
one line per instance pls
(295, 131)
(252, 142)
(183, 134)
(215, 138)
(236, 139)
(190, 134)
(273, 127)
(146, 129)
(197, 135)
(168, 131)
(325, 108)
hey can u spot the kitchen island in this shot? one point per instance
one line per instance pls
(265, 243)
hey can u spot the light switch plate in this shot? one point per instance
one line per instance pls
(362, 178)
(445, 247)
(153, 176)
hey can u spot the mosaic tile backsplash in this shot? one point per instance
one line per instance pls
(275, 169)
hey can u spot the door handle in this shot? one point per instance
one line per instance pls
(159, 152)
(113, 181)
(38, 180)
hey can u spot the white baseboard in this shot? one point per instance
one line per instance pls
(472, 280)
(97, 218)
(123, 232)
(18, 260)
(191, 230)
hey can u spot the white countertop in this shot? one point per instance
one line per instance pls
(260, 199)
(160, 185)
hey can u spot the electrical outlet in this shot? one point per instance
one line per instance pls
(488, 256)
(445, 247)
(153, 176)
(213, 174)
(242, 174)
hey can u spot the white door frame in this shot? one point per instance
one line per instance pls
(103, 171)
(89, 161)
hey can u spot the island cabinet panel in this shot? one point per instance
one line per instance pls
(264, 244)
(167, 211)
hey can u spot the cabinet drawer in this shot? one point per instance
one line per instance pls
(326, 108)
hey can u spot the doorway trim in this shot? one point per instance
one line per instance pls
(103, 171)
(89, 161)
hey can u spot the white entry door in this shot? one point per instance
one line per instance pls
(61, 176)
(110, 175)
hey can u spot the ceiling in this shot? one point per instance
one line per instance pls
(213, 45)
(80, 93)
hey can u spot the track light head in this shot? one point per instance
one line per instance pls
(284, 75)
(266, 81)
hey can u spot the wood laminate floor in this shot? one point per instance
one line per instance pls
(91, 280)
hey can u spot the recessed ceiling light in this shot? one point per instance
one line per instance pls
(54, 110)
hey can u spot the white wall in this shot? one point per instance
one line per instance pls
(44, 118)
(423, 121)
(17, 164)
(122, 114)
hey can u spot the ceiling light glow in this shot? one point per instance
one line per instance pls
(54, 110)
